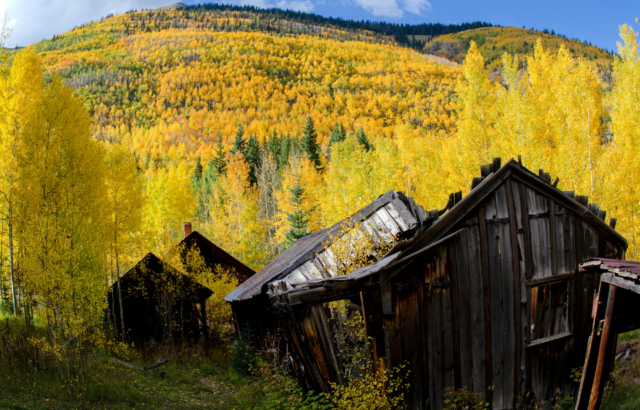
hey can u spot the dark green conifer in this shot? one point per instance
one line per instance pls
(219, 161)
(252, 156)
(309, 143)
(362, 139)
(338, 134)
(299, 218)
(197, 171)
(239, 142)
(285, 149)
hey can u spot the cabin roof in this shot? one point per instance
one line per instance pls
(214, 254)
(152, 263)
(620, 267)
(304, 249)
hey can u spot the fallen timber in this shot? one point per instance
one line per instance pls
(485, 294)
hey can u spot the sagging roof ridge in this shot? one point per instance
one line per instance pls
(305, 248)
(457, 208)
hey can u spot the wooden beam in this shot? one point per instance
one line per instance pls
(456, 317)
(528, 274)
(600, 376)
(486, 292)
(552, 237)
(591, 358)
(517, 279)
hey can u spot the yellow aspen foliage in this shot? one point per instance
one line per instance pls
(127, 202)
(515, 128)
(61, 209)
(622, 194)
(569, 110)
(170, 203)
(235, 215)
(472, 146)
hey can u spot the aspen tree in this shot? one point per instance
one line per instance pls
(472, 146)
(61, 211)
(126, 205)
(22, 91)
(623, 192)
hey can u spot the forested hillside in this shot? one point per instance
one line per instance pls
(494, 41)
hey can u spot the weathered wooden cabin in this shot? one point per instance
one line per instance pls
(151, 297)
(159, 302)
(484, 295)
(615, 312)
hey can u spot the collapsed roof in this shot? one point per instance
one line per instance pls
(390, 217)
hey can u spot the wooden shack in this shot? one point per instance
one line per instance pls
(614, 313)
(159, 303)
(484, 295)
(155, 295)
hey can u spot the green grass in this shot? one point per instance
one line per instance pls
(196, 378)
(623, 391)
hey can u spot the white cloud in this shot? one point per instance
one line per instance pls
(417, 6)
(382, 8)
(305, 5)
(38, 19)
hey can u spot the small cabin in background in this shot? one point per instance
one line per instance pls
(484, 295)
(160, 302)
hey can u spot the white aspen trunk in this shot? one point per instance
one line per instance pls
(13, 289)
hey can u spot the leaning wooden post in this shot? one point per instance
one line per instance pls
(598, 380)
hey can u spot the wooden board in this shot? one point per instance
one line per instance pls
(439, 329)
(502, 294)
(523, 252)
(538, 207)
(470, 307)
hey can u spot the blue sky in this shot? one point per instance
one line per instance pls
(594, 21)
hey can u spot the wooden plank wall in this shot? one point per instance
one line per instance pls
(501, 298)
(470, 306)
(441, 353)
(544, 239)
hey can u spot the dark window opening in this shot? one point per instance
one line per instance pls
(549, 310)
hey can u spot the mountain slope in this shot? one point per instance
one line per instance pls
(494, 41)
(169, 81)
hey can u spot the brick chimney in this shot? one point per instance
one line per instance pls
(186, 229)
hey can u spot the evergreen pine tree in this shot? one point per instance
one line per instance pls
(299, 218)
(362, 139)
(219, 161)
(239, 142)
(338, 134)
(283, 154)
(197, 171)
(273, 145)
(252, 156)
(309, 143)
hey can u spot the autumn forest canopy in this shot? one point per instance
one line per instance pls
(262, 126)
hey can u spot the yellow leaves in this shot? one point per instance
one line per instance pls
(622, 167)
(170, 203)
(57, 193)
(234, 214)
